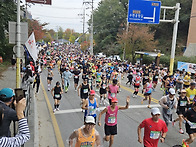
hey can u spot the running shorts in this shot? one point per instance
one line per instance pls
(110, 130)
(49, 78)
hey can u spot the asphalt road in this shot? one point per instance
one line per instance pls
(70, 116)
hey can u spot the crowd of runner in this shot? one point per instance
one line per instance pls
(103, 76)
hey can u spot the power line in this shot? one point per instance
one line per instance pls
(56, 16)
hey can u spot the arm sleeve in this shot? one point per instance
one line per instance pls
(143, 124)
(22, 136)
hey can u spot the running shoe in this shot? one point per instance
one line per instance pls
(173, 123)
(57, 109)
(181, 131)
(149, 106)
(184, 144)
(54, 110)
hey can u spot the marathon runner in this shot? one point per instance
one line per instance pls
(190, 117)
(183, 103)
(111, 112)
(86, 136)
(154, 129)
(57, 95)
(90, 105)
(49, 77)
(103, 90)
(76, 73)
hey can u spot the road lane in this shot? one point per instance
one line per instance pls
(70, 116)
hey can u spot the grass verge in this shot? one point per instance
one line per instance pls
(3, 67)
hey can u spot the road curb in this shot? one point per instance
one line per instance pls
(36, 131)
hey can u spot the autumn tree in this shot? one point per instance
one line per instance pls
(85, 45)
(47, 37)
(68, 33)
(36, 27)
(138, 38)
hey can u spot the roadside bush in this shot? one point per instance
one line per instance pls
(148, 59)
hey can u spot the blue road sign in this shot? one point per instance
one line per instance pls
(144, 11)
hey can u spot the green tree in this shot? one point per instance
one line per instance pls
(164, 31)
(7, 13)
(60, 33)
(72, 39)
(107, 19)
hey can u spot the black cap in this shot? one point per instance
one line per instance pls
(115, 81)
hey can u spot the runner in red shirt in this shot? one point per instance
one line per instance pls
(154, 129)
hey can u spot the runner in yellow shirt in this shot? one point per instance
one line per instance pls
(87, 135)
(191, 92)
(186, 80)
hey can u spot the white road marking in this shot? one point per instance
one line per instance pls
(101, 108)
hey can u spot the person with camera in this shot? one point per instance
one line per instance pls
(6, 100)
(23, 129)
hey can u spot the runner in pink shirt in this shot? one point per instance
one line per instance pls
(111, 119)
(112, 90)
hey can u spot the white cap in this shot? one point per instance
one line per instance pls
(172, 91)
(90, 119)
(155, 111)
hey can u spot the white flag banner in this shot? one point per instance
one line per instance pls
(31, 47)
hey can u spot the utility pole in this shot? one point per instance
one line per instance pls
(83, 20)
(91, 30)
(18, 44)
(91, 43)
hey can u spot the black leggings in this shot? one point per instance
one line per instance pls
(37, 89)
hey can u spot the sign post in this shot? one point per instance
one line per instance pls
(148, 12)
(18, 43)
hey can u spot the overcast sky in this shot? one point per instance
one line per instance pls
(62, 13)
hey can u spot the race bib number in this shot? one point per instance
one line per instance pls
(156, 77)
(192, 97)
(57, 95)
(183, 103)
(112, 95)
(92, 110)
(85, 90)
(146, 77)
(76, 77)
(155, 134)
(111, 120)
(104, 86)
(86, 146)
(193, 126)
(108, 75)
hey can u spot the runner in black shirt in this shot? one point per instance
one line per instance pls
(76, 73)
(190, 117)
(57, 95)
